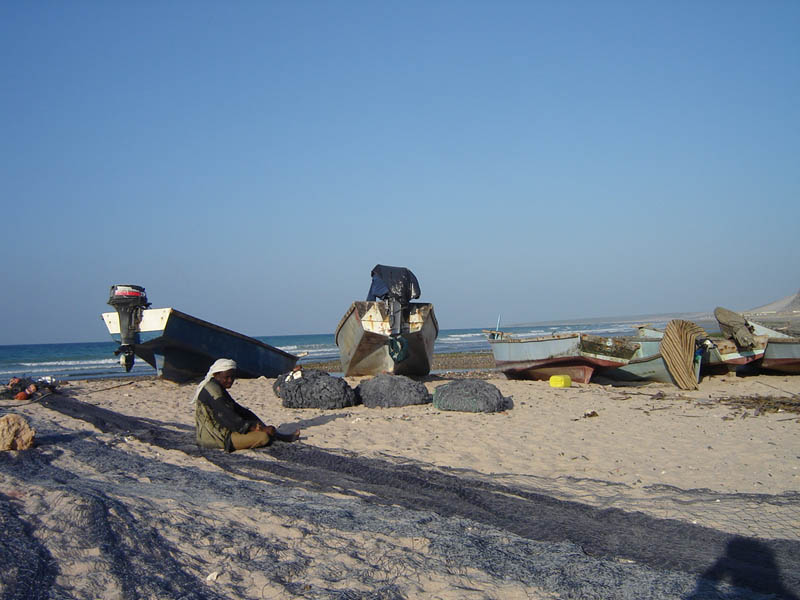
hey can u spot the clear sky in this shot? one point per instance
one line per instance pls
(250, 162)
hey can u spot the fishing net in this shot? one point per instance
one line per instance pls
(470, 395)
(385, 391)
(312, 388)
(328, 524)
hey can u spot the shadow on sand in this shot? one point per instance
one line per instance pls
(748, 564)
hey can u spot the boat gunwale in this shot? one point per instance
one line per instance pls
(431, 315)
(507, 337)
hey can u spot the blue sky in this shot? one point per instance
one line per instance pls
(250, 162)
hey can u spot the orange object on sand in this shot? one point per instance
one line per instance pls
(22, 396)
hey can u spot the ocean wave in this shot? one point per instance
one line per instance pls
(77, 370)
(459, 336)
(310, 349)
(63, 363)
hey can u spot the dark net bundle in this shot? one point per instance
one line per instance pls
(470, 395)
(385, 391)
(313, 389)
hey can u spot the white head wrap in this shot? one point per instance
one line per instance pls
(220, 366)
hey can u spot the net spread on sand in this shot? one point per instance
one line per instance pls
(115, 525)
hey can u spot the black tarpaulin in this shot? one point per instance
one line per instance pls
(393, 282)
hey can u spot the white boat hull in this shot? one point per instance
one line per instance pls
(364, 340)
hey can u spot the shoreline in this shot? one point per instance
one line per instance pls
(475, 364)
(444, 362)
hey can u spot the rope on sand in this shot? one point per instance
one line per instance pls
(109, 388)
(677, 348)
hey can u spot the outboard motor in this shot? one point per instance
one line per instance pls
(129, 302)
(397, 286)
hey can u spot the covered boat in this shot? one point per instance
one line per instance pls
(182, 347)
(388, 333)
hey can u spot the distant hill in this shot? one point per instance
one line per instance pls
(785, 308)
(790, 305)
(633, 319)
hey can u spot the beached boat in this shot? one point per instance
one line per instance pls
(673, 356)
(367, 347)
(724, 353)
(782, 352)
(182, 347)
(718, 353)
(652, 367)
(388, 333)
(578, 355)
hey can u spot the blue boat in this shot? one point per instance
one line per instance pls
(182, 347)
(647, 368)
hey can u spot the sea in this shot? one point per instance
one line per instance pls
(96, 360)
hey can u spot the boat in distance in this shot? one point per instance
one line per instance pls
(387, 333)
(182, 347)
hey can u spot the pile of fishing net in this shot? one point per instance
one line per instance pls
(312, 388)
(384, 391)
(470, 395)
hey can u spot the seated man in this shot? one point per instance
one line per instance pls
(221, 422)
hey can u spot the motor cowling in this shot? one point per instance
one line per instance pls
(129, 301)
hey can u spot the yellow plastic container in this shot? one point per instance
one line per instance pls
(560, 381)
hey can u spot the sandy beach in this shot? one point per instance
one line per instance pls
(592, 491)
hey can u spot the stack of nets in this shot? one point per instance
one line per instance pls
(392, 390)
(678, 350)
(470, 395)
(313, 389)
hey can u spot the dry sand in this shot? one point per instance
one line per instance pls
(720, 461)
